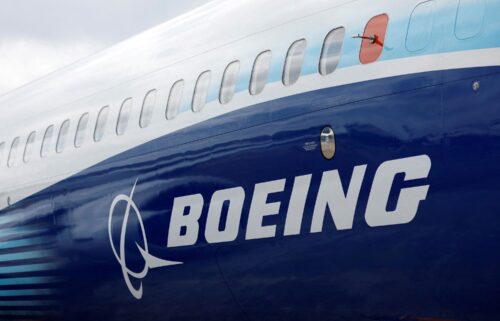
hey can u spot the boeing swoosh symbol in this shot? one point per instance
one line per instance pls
(150, 261)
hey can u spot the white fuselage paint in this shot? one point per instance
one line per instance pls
(331, 197)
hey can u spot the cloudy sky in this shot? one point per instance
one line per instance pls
(37, 37)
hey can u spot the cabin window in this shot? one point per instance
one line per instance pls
(47, 141)
(229, 79)
(332, 51)
(373, 40)
(201, 91)
(123, 116)
(100, 125)
(294, 61)
(81, 130)
(420, 26)
(61, 139)
(28, 149)
(470, 18)
(13, 152)
(148, 107)
(174, 99)
(260, 72)
(2, 149)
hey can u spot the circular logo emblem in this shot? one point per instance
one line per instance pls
(150, 261)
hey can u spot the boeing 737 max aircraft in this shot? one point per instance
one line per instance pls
(330, 160)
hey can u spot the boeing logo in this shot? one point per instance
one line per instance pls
(150, 262)
(227, 205)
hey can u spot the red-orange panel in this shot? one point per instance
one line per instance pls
(374, 37)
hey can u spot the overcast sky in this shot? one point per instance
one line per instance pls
(37, 37)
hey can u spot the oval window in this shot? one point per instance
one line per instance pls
(260, 72)
(229, 79)
(2, 149)
(28, 149)
(61, 139)
(148, 107)
(331, 52)
(13, 152)
(81, 130)
(294, 61)
(123, 116)
(174, 99)
(47, 141)
(100, 125)
(201, 91)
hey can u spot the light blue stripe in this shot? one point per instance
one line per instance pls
(12, 231)
(25, 255)
(24, 242)
(28, 268)
(36, 303)
(28, 292)
(30, 280)
(25, 313)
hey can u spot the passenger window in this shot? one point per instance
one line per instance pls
(201, 91)
(47, 141)
(28, 149)
(260, 72)
(2, 149)
(332, 51)
(373, 39)
(61, 139)
(123, 117)
(13, 152)
(294, 61)
(470, 18)
(100, 125)
(229, 79)
(148, 107)
(420, 27)
(174, 99)
(81, 130)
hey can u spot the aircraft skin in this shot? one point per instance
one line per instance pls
(231, 211)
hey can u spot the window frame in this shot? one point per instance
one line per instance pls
(2, 151)
(201, 96)
(325, 68)
(228, 88)
(80, 132)
(44, 148)
(100, 124)
(121, 116)
(145, 122)
(62, 137)
(292, 62)
(28, 147)
(176, 103)
(12, 158)
(254, 75)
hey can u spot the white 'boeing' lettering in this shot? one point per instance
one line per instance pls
(184, 228)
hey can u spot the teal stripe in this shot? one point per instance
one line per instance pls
(12, 231)
(36, 303)
(24, 242)
(28, 292)
(26, 255)
(25, 313)
(30, 280)
(28, 268)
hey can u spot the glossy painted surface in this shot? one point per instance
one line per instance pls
(60, 213)
(435, 266)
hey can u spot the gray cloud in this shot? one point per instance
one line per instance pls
(105, 21)
(37, 37)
